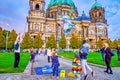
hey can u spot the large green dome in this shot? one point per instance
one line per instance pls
(96, 5)
(56, 2)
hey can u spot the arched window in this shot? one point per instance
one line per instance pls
(33, 37)
(54, 14)
(100, 15)
(37, 6)
(92, 15)
(36, 27)
(48, 15)
(66, 13)
(59, 11)
(95, 15)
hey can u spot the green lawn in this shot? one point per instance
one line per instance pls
(7, 62)
(93, 57)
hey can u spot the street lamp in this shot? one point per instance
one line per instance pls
(6, 40)
(80, 32)
(96, 35)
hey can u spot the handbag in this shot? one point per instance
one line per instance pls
(118, 58)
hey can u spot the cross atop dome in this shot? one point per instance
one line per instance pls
(83, 13)
(96, 5)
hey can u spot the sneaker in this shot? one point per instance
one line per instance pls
(106, 71)
(53, 77)
(93, 73)
(15, 67)
(110, 73)
(57, 77)
(85, 77)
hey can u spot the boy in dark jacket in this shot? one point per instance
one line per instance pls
(55, 65)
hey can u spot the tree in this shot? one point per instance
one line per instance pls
(62, 43)
(2, 39)
(5, 32)
(115, 44)
(74, 42)
(37, 42)
(51, 42)
(111, 45)
(118, 41)
(11, 39)
(99, 44)
(109, 42)
(27, 42)
(80, 42)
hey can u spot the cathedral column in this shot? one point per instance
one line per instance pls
(30, 25)
(82, 31)
(87, 32)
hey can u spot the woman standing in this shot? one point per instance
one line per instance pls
(108, 58)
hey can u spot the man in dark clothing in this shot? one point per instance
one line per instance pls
(108, 58)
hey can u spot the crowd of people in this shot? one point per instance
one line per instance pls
(82, 57)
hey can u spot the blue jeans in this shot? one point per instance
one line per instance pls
(49, 57)
(103, 56)
(55, 71)
(17, 59)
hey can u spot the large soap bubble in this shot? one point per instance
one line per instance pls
(98, 29)
(67, 25)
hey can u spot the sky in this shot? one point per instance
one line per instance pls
(13, 14)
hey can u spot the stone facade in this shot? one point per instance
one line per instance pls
(46, 23)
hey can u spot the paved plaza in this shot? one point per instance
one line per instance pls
(41, 60)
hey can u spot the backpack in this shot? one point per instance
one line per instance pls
(118, 50)
(16, 46)
(62, 73)
(118, 58)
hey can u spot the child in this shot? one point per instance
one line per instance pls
(32, 54)
(76, 67)
(55, 65)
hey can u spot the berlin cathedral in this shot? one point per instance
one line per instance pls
(47, 22)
